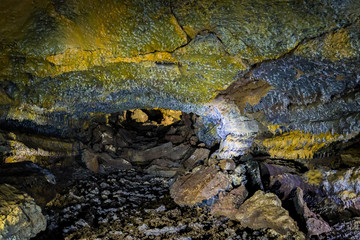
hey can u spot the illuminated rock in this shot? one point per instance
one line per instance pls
(20, 217)
(265, 211)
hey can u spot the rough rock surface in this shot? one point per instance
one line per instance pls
(64, 61)
(314, 223)
(20, 217)
(201, 185)
(125, 204)
(344, 186)
(200, 154)
(273, 78)
(345, 230)
(265, 211)
(229, 203)
(284, 184)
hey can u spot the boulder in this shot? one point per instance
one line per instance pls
(238, 177)
(265, 211)
(166, 150)
(139, 116)
(230, 202)
(162, 171)
(103, 134)
(227, 164)
(146, 156)
(175, 139)
(20, 217)
(285, 183)
(253, 170)
(108, 161)
(90, 159)
(164, 168)
(178, 152)
(200, 154)
(202, 185)
(314, 223)
(27, 176)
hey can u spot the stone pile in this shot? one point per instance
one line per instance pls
(149, 176)
(271, 194)
(158, 143)
(125, 204)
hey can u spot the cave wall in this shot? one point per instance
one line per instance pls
(290, 67)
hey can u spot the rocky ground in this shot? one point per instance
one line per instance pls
(144, 174)
(125, 204)
(131, 205)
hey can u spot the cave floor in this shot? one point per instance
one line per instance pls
(126, 204)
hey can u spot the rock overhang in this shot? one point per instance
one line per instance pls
(66, 61)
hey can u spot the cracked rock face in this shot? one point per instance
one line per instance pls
(20, 217)
(60, 61)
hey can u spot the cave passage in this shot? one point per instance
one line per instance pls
(179, 120)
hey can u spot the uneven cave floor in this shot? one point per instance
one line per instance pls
(126, 204)
(135, 203)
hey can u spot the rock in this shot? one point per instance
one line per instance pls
(349, 229)
(103, 134)
(91, 160)
(109, 161)
(120, 141)
(200, 154)
(314, 223)
(139, 116)
(163, 168)
(351, 157)
(165, 150)
(175, 139)
(171, 131)
(20, 217)
(27, 176)
(238, 177)
(230, 202)
(39, 149)
(344, 187)
(162, 171)
(165, 163)
(202, 185)
(107, 138)
(284, 184)
(144, 157)
(194, 140)
(25, 168)
(227, 164)
(265, 211)
(178, 152)
(273, 170)
(97, 147)
(253, 170)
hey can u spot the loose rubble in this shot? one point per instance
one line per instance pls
(143, 174)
